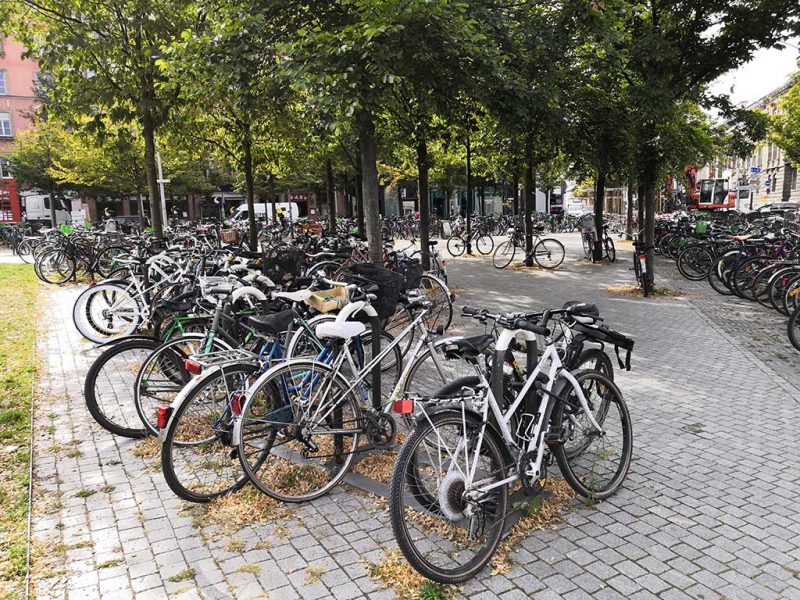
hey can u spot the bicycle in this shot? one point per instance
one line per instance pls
(640, 266)
(449, 490)
(457, 243)
(548, 253)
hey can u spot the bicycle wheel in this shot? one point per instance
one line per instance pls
(791, 296)
(610, 251)
(794, 329)
(441, 313)
(455, 245)
(55, 266)
(504, 254)
(694, 262)
(106, 311)
(106, 261)
(601, 466)
(744, 276)
(163, 376)
(198, 456)
(720, 271)
(395, 325)
(299, 430)
(446, 535)
(485, 244)
(25, 251)
(109, 383)
(548, 253)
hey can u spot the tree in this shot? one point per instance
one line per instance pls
(785, 125)
(104, 59)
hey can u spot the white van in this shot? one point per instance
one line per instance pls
(37, 208)
(264, 211)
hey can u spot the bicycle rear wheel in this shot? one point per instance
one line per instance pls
(446, 535)
(106, 311)
(610, 251)
(441, 313)
(549, 253)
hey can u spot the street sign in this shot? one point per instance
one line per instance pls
(755, 169)
(768, 185)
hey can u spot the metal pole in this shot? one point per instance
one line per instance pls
(469, 196)
(161, 181)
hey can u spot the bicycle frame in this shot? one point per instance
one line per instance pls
(536, 442)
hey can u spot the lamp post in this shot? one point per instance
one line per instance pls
(469, 196)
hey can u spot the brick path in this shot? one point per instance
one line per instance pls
(708, 511)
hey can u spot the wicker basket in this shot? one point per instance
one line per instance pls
(229, 236)
(326, 301)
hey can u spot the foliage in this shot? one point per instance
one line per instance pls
(786, 124)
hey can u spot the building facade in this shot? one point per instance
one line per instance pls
(767, 173)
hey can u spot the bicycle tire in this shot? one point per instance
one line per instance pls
(484, 244)
(117, 425)
(611, 252)
(504, 254)
(551, 248)
(566, 462)
(398, 509)
(455, 245)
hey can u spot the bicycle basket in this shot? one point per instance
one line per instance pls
(284, 263)
(587, 221)
(411, 271)
(389, 283)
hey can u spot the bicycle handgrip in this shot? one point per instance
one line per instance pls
(470, 311)
(526, 325)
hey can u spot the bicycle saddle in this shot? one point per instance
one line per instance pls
(468, 347)
(271, 324)
(433, 242)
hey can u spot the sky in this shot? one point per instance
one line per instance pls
(768, 70)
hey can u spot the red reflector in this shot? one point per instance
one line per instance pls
(163, 414)
(92, 283)
(404, 406)
(195, 368)
(237, 401)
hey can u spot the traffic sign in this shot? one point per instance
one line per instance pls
(755, 169)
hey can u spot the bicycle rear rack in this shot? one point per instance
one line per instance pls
(225, 357)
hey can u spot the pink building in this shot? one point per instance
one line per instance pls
(17, 80)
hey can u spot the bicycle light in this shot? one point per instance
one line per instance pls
(163, 413)
(237, 401)
(194, 367)
(403, 406)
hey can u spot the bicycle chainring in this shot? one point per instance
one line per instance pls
(532, 483)
(380, 429)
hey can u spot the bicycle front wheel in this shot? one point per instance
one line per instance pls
(600, 466)
(441, 313)
(445, 529)
(549, 253)
(485, 244)
(504, 254)
(611, 252)
(198, 457)
(299, 430)
(106, 311)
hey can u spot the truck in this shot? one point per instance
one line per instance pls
(37, 208)
(264, 211)
(708, 194)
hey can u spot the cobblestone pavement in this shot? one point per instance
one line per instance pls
(708, 510)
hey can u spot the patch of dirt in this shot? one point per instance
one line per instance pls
(635, 290)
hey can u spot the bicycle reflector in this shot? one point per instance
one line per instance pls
(403, 406)
(163, 414)
(237, 401)
(194, 367)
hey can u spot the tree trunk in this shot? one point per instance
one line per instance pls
(650, 217)
(247, 151)
(481, 191)
(599, 204)
(423, 165)
(530, 200)
(140, 205)
(629, 210)
(640, 209)
(369, 175)
(331, 195)
(362, 230)
(149, 134)
(515, 201)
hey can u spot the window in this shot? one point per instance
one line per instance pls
(3, 83)
(5, 125)
(5, 169)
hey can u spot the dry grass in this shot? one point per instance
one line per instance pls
(231, 513)
(541, 513)
(149, 447)
(394, 572)
(635, 290)
(377, 465)
(524, 268)
(314, 573)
